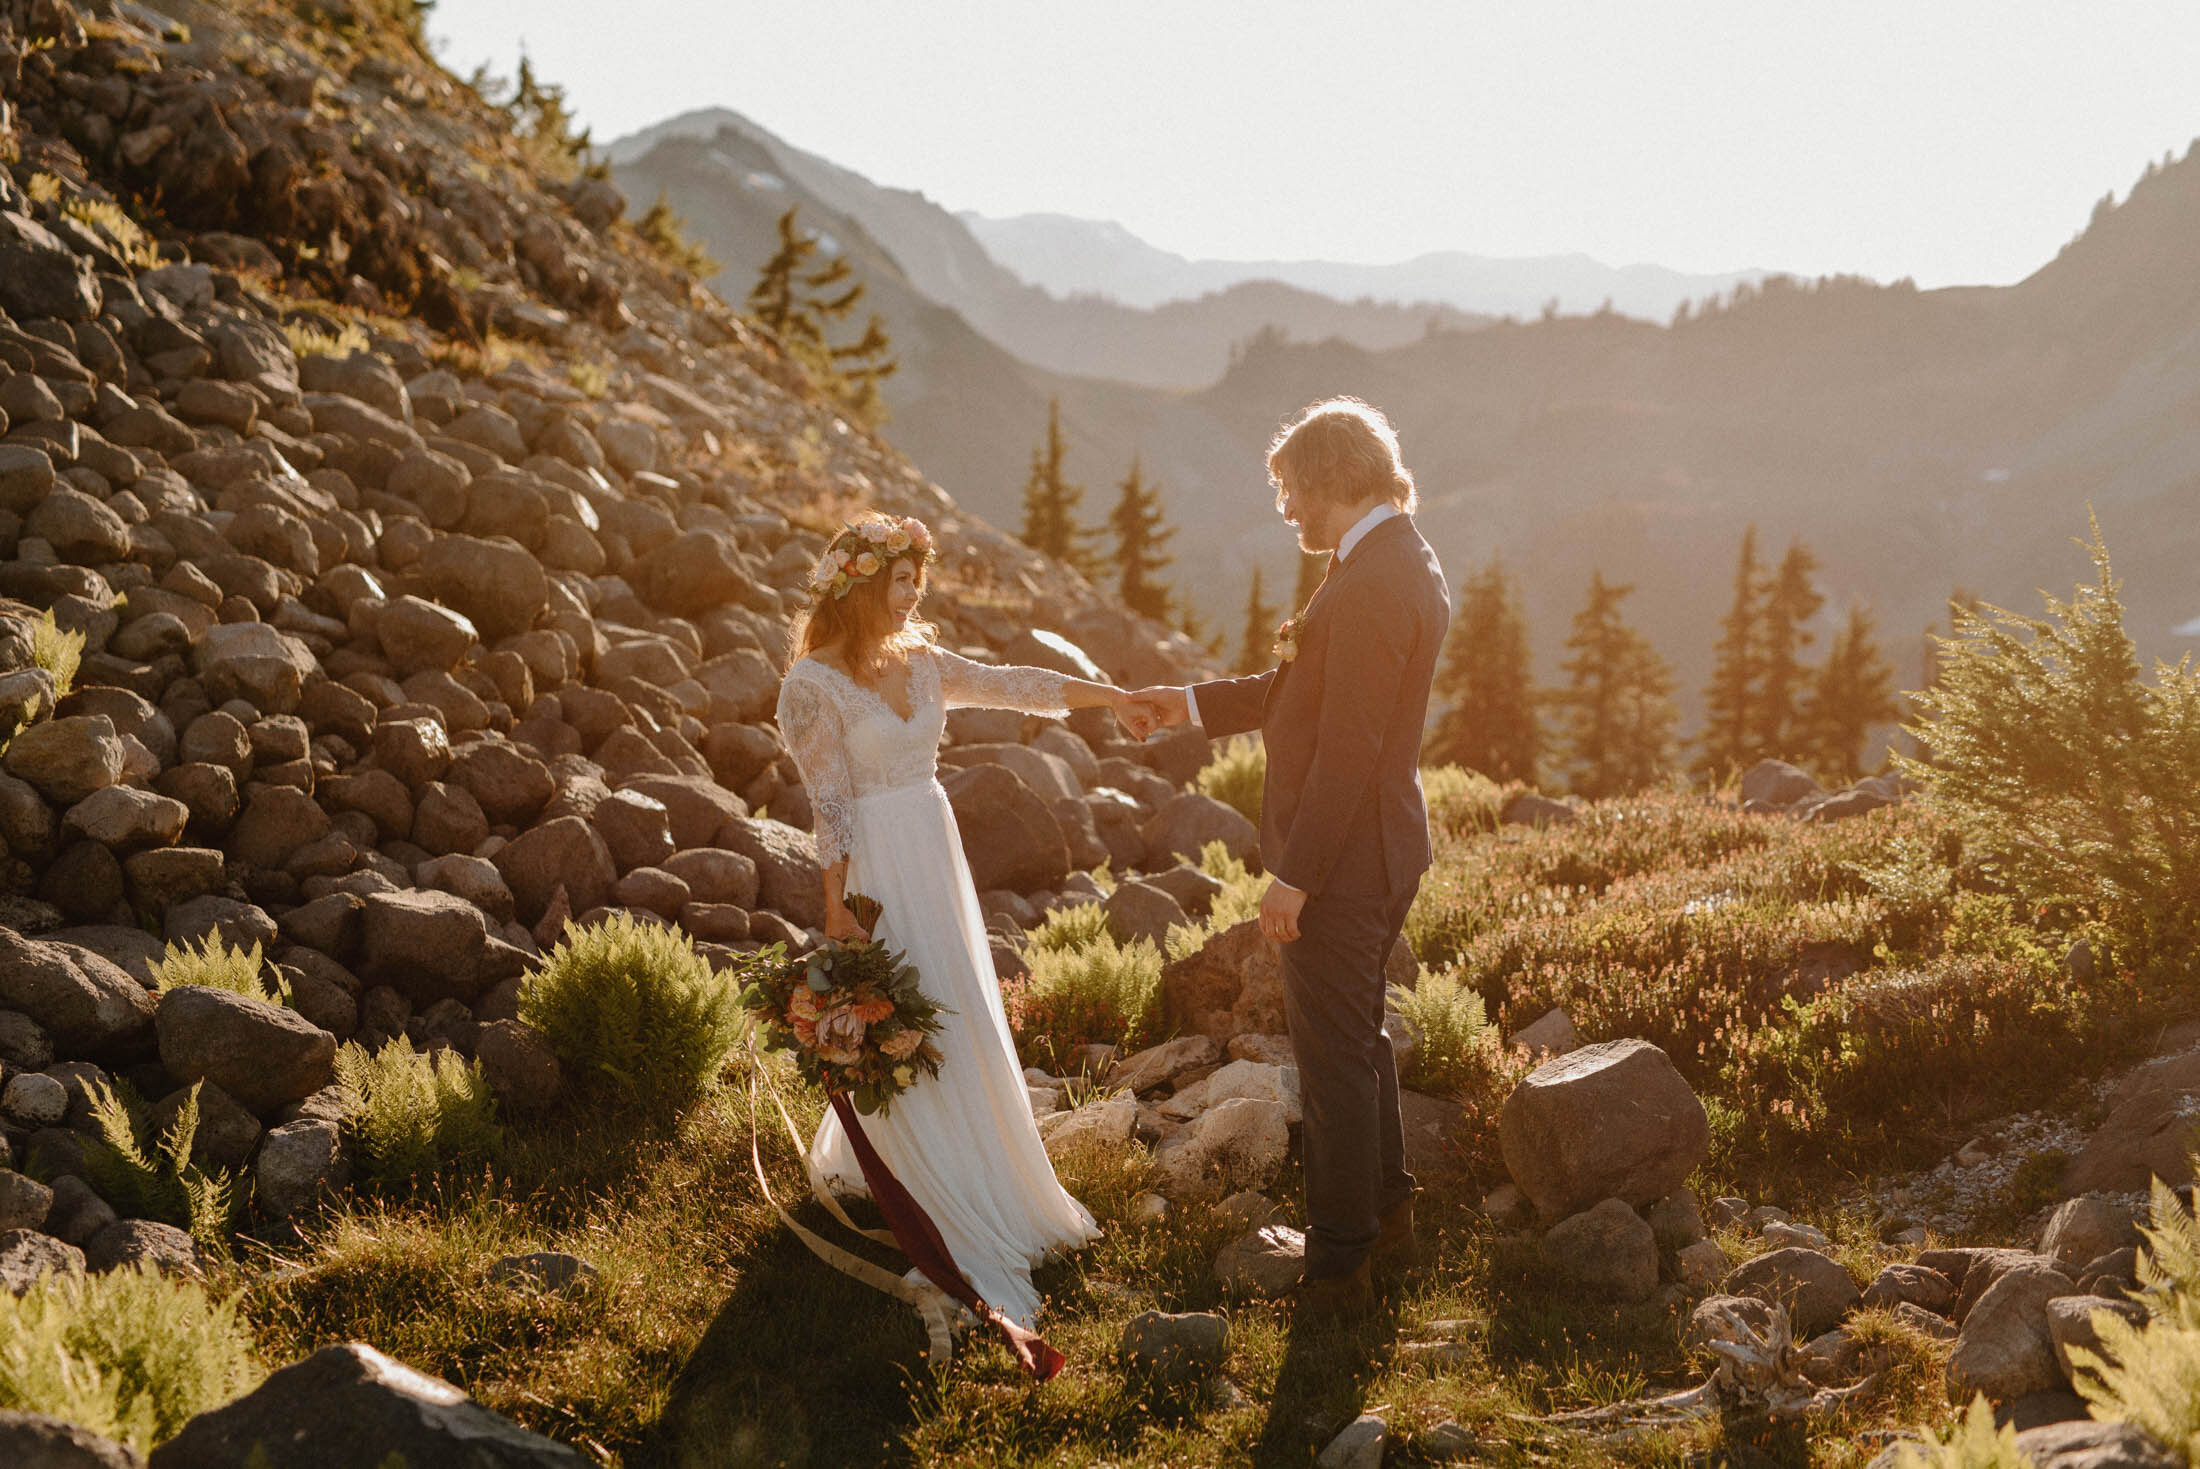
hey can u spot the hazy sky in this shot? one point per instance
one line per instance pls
(1947, 140)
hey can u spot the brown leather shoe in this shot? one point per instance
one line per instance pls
(1349, 1294)
(1395, 1246)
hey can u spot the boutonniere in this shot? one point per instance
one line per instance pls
(1287, 640)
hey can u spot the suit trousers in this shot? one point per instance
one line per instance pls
(1351, 1140)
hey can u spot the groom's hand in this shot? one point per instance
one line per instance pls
(1163, 705)
(1279, 911)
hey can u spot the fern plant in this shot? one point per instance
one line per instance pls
(1457, 1042)
(214, 964)
(129, 1353)
(633, 1008)
(1099, 991)
(410, 1112)
(1975, 1443)
(148, 1177)
(1067, 928)
(58, 651)
(2149, 1376)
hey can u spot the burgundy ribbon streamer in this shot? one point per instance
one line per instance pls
(920, 1240)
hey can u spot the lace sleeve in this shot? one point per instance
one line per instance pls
(809, 721)
(968, 685)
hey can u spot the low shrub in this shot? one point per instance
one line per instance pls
(1235, 776)
(1461, 800)
(632, 1009)
(149, 1177)
(410, 1112)
(129, 1353)
(1239, 900)
(214, 964)
(1102, 992)
(2076, 779)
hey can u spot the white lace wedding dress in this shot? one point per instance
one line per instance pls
(963, 1143)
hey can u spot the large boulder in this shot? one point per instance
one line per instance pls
(697, 808)
(42, 277)
(562, 853)
(256, 662)
(1609, 1121)
(85, 1003)
(350, 1407)
(2005, 1348)
(428, 945)
(1010, 836)
(497, 584)
(37, 1441)
(2148, 1133)
(2084, 1443)
(418, 636)
(261, 1053)
(1775, 785)
(689, 575)
(2084, 1229)
(67, 759)
(789, 878)
(1185, 826)
(510, 785)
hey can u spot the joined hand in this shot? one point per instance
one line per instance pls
(1155, 708)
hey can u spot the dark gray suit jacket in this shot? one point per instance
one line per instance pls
(1342, 810)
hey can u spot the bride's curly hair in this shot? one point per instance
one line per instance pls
(853, 614)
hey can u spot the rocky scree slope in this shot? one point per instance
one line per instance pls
(432, 544)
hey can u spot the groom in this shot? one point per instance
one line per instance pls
(1344, 833)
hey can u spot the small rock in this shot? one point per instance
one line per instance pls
(558, 1273)
(24, 1201)
(34, 1100)
(1175, 1348)
(1813, 1287)
(1360, 1446)
(1607, 1250)
(2070, 1323)
(1702, 1265)
(26, 1257)
(2004, 1349)
(1264, 1262)
(1917, 1284)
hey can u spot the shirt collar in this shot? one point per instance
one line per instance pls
(1363, 525)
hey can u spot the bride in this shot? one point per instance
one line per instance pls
(862, 709)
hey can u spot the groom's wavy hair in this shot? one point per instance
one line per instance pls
(861, 623)
(1342, 451)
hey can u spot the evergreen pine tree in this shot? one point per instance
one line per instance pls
(1258, 651)
(1790, 601)
(1141, 531)
(1051, 500)
(1854, 690)
(1618, 700)
(1730, 698)
(798, 301)
(1491, 724)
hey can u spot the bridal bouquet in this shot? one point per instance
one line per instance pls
(853, 1016)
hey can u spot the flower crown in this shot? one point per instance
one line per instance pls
(866, 547)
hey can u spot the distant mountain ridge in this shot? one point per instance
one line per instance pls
(1071, 256)
(1918, 441)
(1180, 345)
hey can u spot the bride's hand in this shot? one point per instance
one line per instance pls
(841, 927)
(1135, 718)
